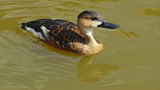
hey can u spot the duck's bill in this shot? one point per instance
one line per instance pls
(109, 25)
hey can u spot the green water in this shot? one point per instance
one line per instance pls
(129, 61)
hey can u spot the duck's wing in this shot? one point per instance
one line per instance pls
(61, 31)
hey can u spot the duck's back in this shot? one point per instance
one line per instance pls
(57, 33)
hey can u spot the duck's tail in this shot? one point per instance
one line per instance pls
(23, 26)
(38, 32)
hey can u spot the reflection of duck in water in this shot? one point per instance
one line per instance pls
(68, 36)
(89, 72)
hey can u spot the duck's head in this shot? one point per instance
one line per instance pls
(91, 19)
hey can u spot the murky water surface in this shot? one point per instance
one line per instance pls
(129, 61)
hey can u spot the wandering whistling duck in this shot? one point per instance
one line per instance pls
(68, 36)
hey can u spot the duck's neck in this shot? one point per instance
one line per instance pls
(88, 34)
(90, 37)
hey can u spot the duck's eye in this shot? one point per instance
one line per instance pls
(94, 18)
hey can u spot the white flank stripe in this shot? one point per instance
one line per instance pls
(44, 30)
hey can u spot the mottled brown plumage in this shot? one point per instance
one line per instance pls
(68, 36)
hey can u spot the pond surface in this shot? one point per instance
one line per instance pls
(129, 61)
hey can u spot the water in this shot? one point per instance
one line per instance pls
(129, 61)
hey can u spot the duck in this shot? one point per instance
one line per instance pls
(67, 36)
